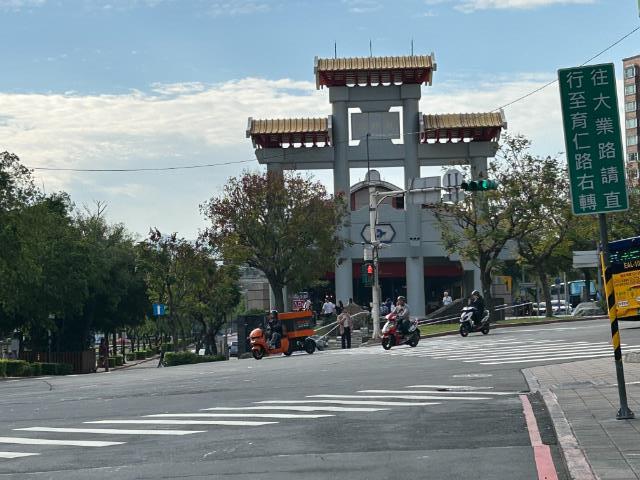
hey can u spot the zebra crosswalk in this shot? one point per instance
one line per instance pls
(500, 351)
(266, 413)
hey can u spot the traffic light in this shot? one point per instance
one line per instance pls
(478, 185)
(366, 274)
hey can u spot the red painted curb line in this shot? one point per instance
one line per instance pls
(542, 453)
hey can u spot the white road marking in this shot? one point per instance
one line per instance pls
(413, 392)
(43, 441)
(296, 408)
(532, 351)
(451, 387)
(355, 402)
(233, 423)
(16, 454)
(110, 431)
(569, 357)
(238, 415)
(401, 397)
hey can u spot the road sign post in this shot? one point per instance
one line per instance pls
(593, 142)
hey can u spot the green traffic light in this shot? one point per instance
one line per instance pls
(479, 185)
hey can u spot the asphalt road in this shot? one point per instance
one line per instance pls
(447, 409)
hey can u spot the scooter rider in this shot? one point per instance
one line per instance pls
(274, 329)
(477, 302)
(402, 314)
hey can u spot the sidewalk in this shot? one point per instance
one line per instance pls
(134, 363)
(582, 399)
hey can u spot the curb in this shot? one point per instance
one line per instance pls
(129, 365)
(574, 457)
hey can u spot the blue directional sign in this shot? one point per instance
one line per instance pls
(158, 309)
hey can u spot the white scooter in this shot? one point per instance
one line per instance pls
(466, 322)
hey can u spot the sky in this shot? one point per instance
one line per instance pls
(165, 83)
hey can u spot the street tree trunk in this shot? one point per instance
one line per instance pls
(278, 295)
(485, 279)
(546, 292)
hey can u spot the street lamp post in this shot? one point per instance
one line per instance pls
(375, 292)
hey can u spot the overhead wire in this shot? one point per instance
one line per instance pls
(209, 165)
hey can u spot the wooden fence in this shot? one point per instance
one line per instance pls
(83, 362)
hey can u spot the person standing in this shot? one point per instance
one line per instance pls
(328, 308)
(345, 323)
(307, 304)
(446, 299)
(103, 354)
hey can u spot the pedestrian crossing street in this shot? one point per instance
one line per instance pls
(487, 351)
(104, 433)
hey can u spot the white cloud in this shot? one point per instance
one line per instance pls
(16, 5)
(238, 7)
(362, 6)
(191, 123)
(470, 6)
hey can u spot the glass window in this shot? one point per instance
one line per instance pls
(632, 140)
(630, 89)
(630, 107)
(632, 157)
(631, 122)
(630, 72)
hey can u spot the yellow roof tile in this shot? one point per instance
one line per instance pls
(287, 125)
(464, 120)
(374, 63)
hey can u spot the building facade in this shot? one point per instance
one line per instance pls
(376, 123)
(631, 69)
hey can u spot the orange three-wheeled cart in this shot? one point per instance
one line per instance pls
(297, 330)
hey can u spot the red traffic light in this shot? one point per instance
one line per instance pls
(369, 269)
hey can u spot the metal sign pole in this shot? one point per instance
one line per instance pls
(624, 413)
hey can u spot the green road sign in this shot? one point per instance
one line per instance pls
(593, 139)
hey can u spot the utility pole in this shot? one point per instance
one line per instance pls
(375, 198)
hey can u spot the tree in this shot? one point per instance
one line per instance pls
(534, 188)
(215, 294)
(281, 224)
(168, 265)
(479, 227)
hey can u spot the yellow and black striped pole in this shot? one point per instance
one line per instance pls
(624, 413)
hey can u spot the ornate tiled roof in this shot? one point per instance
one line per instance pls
(273, 133)
(331, 72)
(462, 126)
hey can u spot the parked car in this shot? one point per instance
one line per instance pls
(233, 349)
(558, 308)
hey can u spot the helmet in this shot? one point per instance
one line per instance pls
(274, 313)
(475, 292)
(402, 298)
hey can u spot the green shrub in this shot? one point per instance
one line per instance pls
(36, 369)
(17, 368)
(140, 355)
(131, 356)
(112, 362)
(64, 369)
(167, 347)
(172, 359)
(21, 368)
(119, 360)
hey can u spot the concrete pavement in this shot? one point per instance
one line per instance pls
(582, 399)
